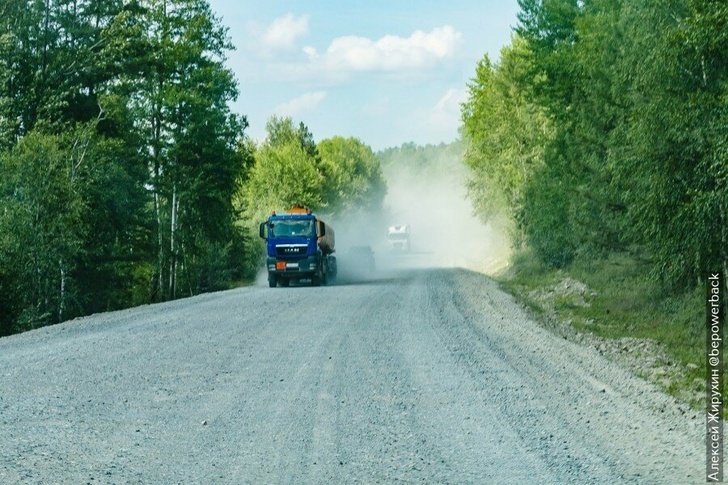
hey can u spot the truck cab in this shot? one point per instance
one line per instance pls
(398, 237)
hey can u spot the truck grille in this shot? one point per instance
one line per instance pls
(290, 250)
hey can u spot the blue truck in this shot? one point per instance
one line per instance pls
(299, 247)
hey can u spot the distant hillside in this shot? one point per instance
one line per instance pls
(420, 162)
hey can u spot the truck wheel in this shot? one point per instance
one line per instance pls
(324, 278)
(334, 270)
(272, 281)
(318, 279)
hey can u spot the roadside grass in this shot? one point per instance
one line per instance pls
(615, 306)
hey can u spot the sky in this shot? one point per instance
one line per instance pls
(386, 72)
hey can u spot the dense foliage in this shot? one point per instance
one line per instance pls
(604, 129)
(119, 156)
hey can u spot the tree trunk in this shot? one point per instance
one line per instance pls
(62, 296)
(172, 249)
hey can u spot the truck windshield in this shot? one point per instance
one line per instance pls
(292, 228)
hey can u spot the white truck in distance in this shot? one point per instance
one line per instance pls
(398, 238)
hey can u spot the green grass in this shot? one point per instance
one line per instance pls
(622, 301)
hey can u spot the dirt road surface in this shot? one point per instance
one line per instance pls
(415, 376)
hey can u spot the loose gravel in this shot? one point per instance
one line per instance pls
(420, 376)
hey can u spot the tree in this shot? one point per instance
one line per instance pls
(675, 142)
(284, 173)
(573, 46)
(353, 180)
(281, 131)
(42, 222)
(636, 95)
(177, 92)
(114, 266)
(504, 131)
(49, 68)
(114, 116)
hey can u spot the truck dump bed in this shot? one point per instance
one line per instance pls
(327, 242)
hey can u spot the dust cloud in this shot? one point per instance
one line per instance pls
(431, 197)
(444, 231)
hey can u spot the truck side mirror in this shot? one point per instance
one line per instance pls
(261, 230)
(321, 228)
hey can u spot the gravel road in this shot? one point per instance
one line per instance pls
(420, 376)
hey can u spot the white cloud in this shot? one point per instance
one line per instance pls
(302, 104)
(310, 52)
(442, 120)
(283, 32)
(449, 103)
(391, 53)
(445, 115)
(350, 55)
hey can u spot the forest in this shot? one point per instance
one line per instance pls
(603, 129)
(126, 179)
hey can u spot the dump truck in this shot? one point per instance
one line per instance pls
(300, 247)
(398, 237)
